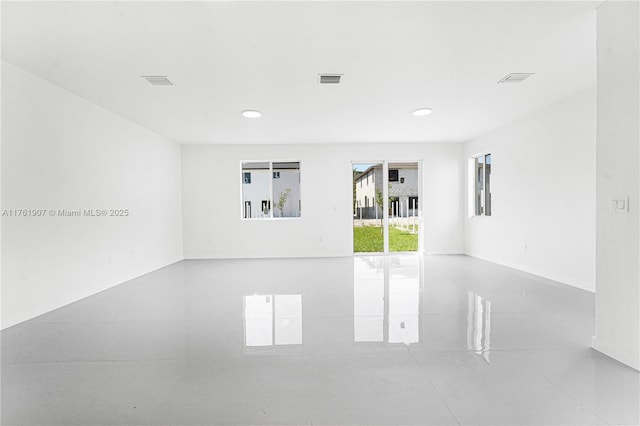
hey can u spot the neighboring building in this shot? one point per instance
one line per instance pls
(403, 191)
(367, 185)
(258, 179)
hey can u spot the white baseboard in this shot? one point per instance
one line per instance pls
(587, 286)
(616, 353)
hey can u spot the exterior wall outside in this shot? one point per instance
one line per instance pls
(289, 179)
(410, 186)
(370, 182)
(254, 193)
(367, 186)
(404, 192)
(258, 192)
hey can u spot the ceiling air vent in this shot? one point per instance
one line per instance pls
(158, 80)
(330, 78)
(516, 77)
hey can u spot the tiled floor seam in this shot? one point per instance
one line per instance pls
(557, 386)
(424, 373)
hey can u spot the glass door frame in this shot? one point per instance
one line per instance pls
(385, 205)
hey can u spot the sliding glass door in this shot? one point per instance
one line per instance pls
(386, 206)
(368, 208)
(403, 206)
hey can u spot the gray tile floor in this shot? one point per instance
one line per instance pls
(365, 340)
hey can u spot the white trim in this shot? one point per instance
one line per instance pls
(627, 358)
(271, 200)
(385, 206)
(472, 184)
(562, 279)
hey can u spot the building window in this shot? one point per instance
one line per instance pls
(481, 165)
(275, 187)
(413, 204)
(393, 175)
(266, 206)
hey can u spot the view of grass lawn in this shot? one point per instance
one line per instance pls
(368, 239)
(400, 240)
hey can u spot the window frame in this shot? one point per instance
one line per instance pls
(477, 206)
(271, 193)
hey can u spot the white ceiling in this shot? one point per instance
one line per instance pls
(225, 57)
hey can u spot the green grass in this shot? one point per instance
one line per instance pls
(368, 239)
(400, 240)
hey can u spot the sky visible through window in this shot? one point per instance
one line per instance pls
(361, 167)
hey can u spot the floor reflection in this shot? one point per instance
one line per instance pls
(404, 305)
(331, 341)
(479, 325)
(272, 320)
(387, 299)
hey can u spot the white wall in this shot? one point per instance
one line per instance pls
(62, 152)
(543, 193)
(618, 176)
(211, 211)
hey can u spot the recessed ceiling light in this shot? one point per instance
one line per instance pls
(422, 111)
(249, 113)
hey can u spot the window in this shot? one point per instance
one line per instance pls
(266, 206)
(413, 203)
(393, 175)
(275, 187)
(481, 166)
